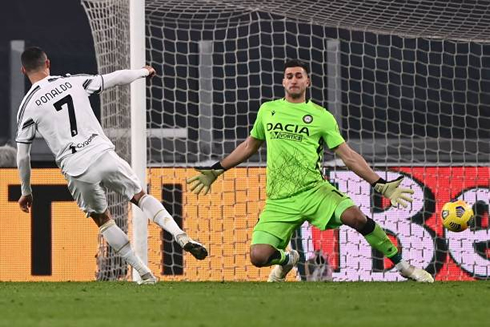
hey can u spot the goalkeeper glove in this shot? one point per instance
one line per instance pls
(391, 190)
(205, 179)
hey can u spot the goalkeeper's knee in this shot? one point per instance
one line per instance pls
(264, 255)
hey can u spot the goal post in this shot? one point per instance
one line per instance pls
(407, 81)
(138, 124)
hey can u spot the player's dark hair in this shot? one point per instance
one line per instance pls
(296, 63)
(33, 58)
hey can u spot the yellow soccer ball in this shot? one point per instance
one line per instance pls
(456, 216)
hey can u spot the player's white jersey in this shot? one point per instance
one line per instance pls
(58, 107)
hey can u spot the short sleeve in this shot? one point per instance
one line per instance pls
(91, 83)
(26, 129)
(331, 132)
(258, 131)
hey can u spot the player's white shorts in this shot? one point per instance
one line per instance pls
(108, 172)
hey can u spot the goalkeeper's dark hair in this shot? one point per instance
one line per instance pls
(33, 58)
(296, 63)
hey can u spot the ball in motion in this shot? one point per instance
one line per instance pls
(456, 215)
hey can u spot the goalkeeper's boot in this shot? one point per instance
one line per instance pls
(195, 248)
(148, 279)
(414, 273)
(279, 273)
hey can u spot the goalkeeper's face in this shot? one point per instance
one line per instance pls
(295, 82)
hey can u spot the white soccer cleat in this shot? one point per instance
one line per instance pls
(195, 248)
(279, 273)
(414, 273)
(148, 279)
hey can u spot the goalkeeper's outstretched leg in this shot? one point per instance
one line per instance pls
(377, 238)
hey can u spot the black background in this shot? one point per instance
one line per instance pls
(60, 27)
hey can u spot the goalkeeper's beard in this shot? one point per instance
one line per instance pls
(296, 95)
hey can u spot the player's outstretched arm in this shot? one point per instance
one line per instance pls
(207, 175)
(390, 189)
(126, 76)
(24, 166)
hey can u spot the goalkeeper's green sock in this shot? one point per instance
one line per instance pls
(280, 257)
(377, 238)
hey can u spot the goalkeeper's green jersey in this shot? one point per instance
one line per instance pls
(296, 134)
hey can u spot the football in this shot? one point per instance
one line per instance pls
(456, 215)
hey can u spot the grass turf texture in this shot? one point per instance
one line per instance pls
(244, 304)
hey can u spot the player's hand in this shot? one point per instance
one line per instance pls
(393, 191)
(25, 202)
(152, 72)
(204, 180)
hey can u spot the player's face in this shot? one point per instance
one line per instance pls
(295, 82)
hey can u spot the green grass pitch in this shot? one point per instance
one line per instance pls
(245, 304)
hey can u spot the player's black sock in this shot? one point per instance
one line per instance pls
(368, 227)
(279, 257)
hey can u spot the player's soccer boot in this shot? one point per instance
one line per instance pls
(148, 279)
(279, 273)
(195, 248)
(414, 273)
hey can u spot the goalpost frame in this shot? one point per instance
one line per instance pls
(138, 124)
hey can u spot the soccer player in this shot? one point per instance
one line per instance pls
(296, 131)
(58, 108)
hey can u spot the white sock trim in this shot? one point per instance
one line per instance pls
(114, 235)
(140, 201)
(108, 224)
(125, 245)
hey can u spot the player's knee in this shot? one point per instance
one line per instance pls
(259, 258)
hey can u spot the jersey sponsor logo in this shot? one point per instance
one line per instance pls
(76, 147)
(50, 95)
(291, 128)
(286, 136)
(290, 132)
(308, 119)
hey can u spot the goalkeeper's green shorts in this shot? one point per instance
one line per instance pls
(322, 206)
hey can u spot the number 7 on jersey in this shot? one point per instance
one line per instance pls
(71, 112)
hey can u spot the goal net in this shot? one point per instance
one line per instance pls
(407, 82)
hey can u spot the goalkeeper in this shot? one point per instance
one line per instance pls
(296, 132)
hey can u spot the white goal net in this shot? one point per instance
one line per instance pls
(408, 82)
